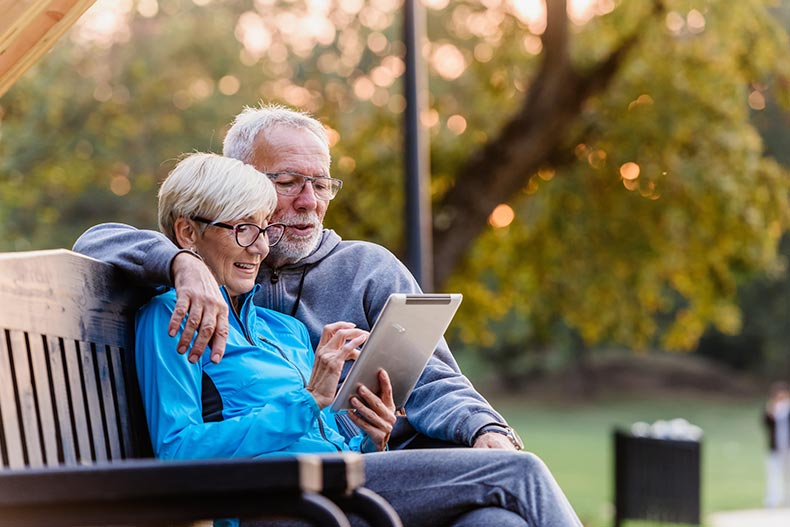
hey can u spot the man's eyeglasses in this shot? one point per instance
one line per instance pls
(292, 183)
(247, 233)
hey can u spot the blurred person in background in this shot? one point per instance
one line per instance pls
(777, 425)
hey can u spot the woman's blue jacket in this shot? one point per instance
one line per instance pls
(253, 403)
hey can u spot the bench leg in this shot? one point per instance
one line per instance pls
(322, 511)
(371, 507)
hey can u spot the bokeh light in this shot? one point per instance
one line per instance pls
(201, 88)
(346, 164)
(148, 8)
(448, 61)
(642, 100)
(629, 171)
(364, 88)
(429, 118)
(675, 22)
(333, 136)
(120, 185)
(456, 124)
(695, 21)
(104, 24)
(484, 52)
(382, 76)
(532, 44)
(436, 4)
(251, 31)
(756, 100)
(532, 13)
(229, 85)
(502, 216)
(546, 173)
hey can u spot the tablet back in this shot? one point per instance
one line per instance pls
(401, 342)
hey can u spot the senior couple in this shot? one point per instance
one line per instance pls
(255, 278)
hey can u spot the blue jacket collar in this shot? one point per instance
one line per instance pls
(246, 306)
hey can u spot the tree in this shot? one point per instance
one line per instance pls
(639, 221)
(618, 137)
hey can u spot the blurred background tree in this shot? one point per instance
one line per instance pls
(598, 176)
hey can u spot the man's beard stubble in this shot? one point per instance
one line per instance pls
(292, 248)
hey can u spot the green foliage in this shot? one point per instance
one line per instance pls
(657, 259)
(86, 137)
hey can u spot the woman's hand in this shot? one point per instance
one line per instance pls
(339, 342)
(375, 414)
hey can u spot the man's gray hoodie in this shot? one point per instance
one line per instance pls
(339, 280)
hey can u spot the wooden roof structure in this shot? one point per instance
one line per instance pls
(28, 29)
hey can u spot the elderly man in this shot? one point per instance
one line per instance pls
(311, 274)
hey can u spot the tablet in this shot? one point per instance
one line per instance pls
(401, 342)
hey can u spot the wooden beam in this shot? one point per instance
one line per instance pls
(28, 29)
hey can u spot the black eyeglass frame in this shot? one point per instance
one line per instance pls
(335, 184)
(235, 228)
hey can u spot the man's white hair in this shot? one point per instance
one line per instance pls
(239, 140)
(214, 187)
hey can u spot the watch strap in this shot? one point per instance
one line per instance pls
(504, 430)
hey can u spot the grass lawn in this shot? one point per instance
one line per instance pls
(575, 440)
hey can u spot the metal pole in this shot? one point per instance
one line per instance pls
(419, 243)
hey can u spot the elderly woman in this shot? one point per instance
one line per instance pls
(270, 393)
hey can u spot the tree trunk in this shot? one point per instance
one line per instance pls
(533, 138)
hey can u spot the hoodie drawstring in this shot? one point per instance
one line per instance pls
(295, 307)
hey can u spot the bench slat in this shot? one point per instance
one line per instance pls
(92, 395)
(47, 417)
(77, 403)
(25, 398)
(125, 432)
(107, 399)
(11, 430)
(62, 400)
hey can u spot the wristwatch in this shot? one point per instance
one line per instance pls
(506, 431)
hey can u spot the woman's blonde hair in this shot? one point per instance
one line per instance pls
(214, 187)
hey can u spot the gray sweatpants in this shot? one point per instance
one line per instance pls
(465, 487)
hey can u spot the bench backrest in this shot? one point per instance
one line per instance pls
(67, 392)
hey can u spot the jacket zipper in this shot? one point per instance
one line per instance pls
(304, 385)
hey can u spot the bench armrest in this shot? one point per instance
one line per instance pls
(144, 491)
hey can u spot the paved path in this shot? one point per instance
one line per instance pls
(751, 518)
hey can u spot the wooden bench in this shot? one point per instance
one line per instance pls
(74, 447)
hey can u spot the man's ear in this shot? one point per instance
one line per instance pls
(186, 234)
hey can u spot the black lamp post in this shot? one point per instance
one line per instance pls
(419, 243)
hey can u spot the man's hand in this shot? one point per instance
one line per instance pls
(375, 414)
(198, 295)
(493, 440)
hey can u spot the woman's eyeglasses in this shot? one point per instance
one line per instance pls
(247, 233)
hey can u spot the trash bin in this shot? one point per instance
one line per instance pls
(656, 479)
